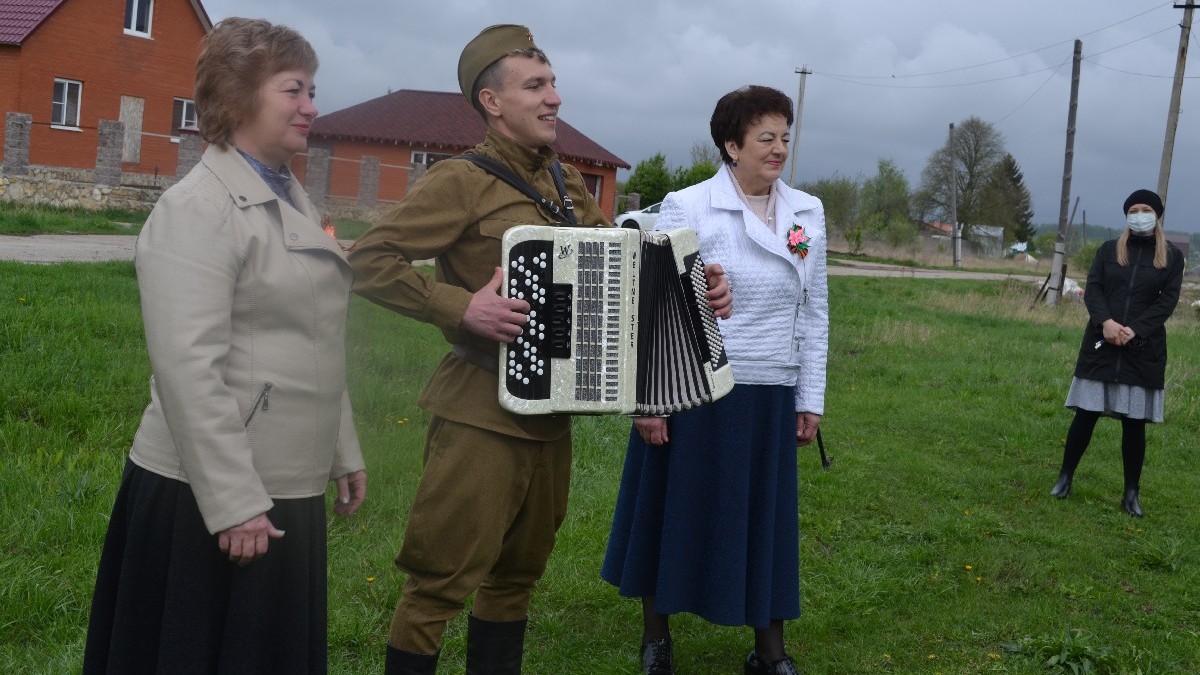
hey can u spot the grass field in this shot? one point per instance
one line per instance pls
(931, 546)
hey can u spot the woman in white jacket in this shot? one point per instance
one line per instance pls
(214, 560)
(707, 516)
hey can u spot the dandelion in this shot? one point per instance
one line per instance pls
(370, 580)
(979, 580)
(21, 300)
(968, 567)
(931, 657)
(993, 656)
(966, 513)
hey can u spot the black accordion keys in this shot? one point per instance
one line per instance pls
(618, 323)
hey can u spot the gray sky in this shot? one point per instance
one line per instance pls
(888, 77)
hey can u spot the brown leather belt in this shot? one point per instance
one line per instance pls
(477, 357)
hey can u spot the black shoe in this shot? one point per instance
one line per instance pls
(1063, 487)
(400, 662)
(1130, 503)
(756, 666)
(657, 657)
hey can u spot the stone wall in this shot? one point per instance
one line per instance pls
(42, 186)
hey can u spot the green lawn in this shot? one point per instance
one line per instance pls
(931, 546)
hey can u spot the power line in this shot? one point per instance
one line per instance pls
(845, 77)
(848, 80)
(1035, 92)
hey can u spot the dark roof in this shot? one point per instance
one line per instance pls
(19, 18)
(438, 119)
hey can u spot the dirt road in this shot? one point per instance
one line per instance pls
(56, 248)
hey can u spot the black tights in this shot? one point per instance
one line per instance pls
(1133, 445)
(768, 642)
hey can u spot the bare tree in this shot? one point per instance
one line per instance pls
(969, 165)
(704, 152)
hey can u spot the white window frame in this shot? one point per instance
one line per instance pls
(428, 159)
(131, 12)
(184, 121)
(59, 108)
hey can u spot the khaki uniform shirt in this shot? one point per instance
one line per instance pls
(457, 214)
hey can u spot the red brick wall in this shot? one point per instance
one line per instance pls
(84, 40)
(393, 181)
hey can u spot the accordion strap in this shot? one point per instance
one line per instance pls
(567, 210)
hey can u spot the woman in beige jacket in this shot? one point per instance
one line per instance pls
(215, 556)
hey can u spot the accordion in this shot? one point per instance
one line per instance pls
(618, 323)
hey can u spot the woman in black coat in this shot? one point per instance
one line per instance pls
(1131, 290)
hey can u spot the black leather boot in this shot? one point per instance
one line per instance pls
(400, 662)
(658, 657)
(494, 647)
(1130, 502)
(1063, 487)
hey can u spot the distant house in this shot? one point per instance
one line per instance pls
(71, 63)
(409, 127)
(1181, 241)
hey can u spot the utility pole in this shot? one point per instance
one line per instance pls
(803, 71)
(955, 232)
(1058, 266)
(1185, 31)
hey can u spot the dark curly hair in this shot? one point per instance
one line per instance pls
(741, 108)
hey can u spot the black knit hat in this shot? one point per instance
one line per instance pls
(1145, 197)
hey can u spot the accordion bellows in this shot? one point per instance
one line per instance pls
(618, 323)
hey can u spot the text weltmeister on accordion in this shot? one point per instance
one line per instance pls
(618, 323)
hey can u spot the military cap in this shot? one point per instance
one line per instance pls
(492, 44)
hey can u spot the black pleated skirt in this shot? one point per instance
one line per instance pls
(167, 601)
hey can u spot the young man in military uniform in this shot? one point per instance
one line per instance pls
(493, 491)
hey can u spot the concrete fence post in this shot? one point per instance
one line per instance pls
(368, 182)
(316, 175)
(16, 143)
(191, 146)
(415, 171)
(108, 153)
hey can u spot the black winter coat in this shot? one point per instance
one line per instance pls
(1139, 296)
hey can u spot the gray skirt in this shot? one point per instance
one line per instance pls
(1116, 400)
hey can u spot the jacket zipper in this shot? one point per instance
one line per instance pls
(1128, 301)
(262, 401)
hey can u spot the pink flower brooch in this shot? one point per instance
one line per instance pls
(797, 240)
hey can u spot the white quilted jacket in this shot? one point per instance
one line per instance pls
(779, 331)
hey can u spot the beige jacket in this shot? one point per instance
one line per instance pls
(244, 301)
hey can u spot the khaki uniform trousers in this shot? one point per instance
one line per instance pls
(483, 521)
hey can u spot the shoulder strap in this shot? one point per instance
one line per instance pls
(505, 174)
(556, 172)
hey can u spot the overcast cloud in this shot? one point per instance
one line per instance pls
(888, 77)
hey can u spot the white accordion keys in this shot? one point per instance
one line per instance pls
(617, 323)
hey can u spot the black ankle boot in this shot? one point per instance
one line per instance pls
(1130, 502)
(494, 647)
(400, 662)
(658, 658)
(756, 666)
(1063, 487)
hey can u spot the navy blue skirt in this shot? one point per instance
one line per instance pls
(168, 601)
(708, 523)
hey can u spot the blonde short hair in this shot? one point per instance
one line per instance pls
(237, 57)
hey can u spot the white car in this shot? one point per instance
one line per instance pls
(643, 219)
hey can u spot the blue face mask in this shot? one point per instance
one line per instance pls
(1141, 223)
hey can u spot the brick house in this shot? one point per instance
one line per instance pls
(71, 63)
(409, 127)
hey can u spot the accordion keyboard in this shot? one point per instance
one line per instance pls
(617, 323)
